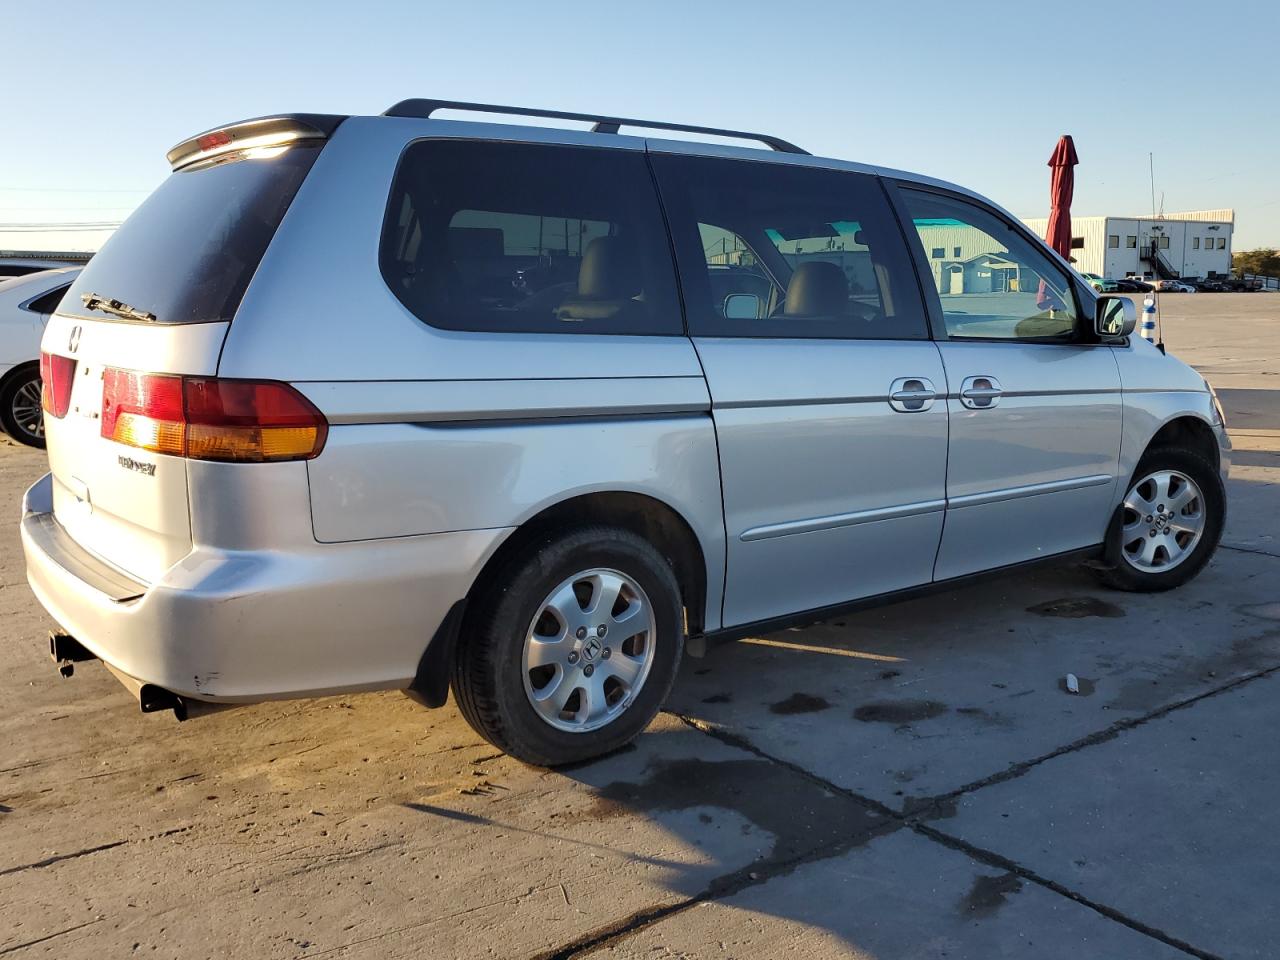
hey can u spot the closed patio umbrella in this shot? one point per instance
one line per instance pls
(1062, 184)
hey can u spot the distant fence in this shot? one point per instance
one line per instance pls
(1268, 283)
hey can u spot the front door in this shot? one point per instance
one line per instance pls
(1035, 406)
(826, 392)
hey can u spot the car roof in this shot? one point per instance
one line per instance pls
(35, 284)
(416, 118)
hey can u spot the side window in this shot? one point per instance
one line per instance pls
(1001, 286)
(774, 250)
(47, 303)
(522, 237)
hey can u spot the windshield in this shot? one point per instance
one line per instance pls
(187, 254)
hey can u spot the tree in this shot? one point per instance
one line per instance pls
(1261, 261)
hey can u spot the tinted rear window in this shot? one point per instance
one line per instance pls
(187, 254)
(523, 237)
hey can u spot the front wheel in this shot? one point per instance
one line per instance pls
(571, 647)
(1169, 524)
(21, 413)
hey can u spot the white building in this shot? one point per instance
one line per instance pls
(1193, 244)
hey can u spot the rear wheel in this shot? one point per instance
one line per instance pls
(571, 647)
(1169, 523)
(21, 413)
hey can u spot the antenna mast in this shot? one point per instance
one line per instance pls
(1155, 250)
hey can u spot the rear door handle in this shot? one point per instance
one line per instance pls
(980, 393)
(912, 394)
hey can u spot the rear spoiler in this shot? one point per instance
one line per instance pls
(260, 132)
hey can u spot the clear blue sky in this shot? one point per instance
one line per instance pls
(976, 93)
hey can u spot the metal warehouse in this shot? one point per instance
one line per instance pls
(1192, 244)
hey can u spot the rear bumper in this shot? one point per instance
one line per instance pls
(240, 626)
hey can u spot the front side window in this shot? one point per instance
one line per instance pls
(1006, 288)
(1131, 243)
(773, 250)
(1113, 242)
(1164, 243)
(1195, 243)
(524, 237)
(1222, 243)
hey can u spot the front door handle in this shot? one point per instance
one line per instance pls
(980, 393)
(912, 394)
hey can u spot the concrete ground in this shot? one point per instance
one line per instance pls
(909, 782)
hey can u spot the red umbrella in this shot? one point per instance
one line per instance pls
(1062, 184)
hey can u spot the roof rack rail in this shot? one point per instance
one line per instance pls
(600, 124)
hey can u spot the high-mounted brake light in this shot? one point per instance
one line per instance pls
(56, 374)
(219, 138)
(203, 418)
(251, 139)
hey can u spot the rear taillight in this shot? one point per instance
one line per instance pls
(202, 418)
(56, 374)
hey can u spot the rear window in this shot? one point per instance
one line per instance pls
(187, 254)
(525, 237)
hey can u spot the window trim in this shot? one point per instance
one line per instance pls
(929, 289)
(676, 206)
(389, 214)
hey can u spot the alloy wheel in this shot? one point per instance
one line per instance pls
(1164, 519)
(588, 650)
(26, 410)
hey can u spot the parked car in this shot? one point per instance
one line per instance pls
(1239, 285)
(13, 264)
(1101, 284)
(342, 449)
(26, 303)
(1174, 286)
(1202, 284)
(1133, 285)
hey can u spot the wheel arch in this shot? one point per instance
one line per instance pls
(17, 370)
(643, 514)
(1190, 431)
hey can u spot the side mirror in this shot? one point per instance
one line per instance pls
(742, 306)
(1116, 317)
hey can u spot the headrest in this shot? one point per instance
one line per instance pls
(817, 288)
(608, 271)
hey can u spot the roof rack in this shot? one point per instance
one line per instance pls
(600, 124)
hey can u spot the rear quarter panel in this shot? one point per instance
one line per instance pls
(434, 430)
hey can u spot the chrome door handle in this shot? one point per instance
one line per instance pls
(912, 394)
(980, 393)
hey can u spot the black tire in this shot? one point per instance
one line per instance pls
(1119, 573)
(488, 680)
(18, 386)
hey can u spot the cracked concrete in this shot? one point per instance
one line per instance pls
(907, 782)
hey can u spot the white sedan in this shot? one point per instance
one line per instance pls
(25, 305)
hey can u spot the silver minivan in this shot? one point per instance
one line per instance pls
(402, 402)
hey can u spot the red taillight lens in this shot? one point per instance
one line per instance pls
(56, 375)
(209, 419)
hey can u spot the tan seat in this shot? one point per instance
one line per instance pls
(817, 288)
(608, 282)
